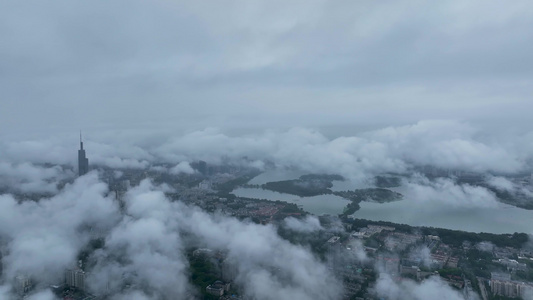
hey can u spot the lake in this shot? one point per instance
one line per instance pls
(318, 205)
(501, 218)
(276, 175)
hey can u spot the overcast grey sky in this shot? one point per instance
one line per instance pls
(182, 65)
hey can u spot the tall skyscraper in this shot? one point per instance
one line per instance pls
(83, 161)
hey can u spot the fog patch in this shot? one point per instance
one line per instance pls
(422, 254)
(42, 295)
(30, 178)
(445, 190)
(443, 144)
(43, 238)
(182, 167)
(431, 288)
(485, 246)
(308, 224)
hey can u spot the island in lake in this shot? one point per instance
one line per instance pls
(320, 184)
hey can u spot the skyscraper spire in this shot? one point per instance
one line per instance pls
(83, 161)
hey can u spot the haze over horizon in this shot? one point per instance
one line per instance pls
(172, 81)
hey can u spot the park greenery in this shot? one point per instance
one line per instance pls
(305, 186)
(370, 194)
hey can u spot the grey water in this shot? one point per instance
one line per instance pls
(500, 218)
(318, 205)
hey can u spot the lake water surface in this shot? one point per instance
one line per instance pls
(318, 205)
(276, 175)
(501, 218)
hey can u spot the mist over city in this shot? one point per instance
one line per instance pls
(266, 150)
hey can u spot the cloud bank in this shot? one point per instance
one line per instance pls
(449, 145)
(143, 256)
(144, 245)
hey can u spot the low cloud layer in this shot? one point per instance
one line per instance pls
(448, 145)
(516, 189)
(447, 191)
(145, 242)
(153, 232)
(30, 178)
(144, 245)
(182, 167)
(309, 224)
(43, 238)
(432, 288)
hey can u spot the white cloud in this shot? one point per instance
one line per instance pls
(501, 183)
(516, 189)
(444, 190)
(30, 178)
(443, 144)
(43, 238)
(485, 246)
(431, 288)
(182, 167)
(309, 224)
(43, 295)
(149, 235)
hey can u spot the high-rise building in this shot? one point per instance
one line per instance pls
(511, 289)
(23, 284)
(83, 161)
(75, 278)
(502, 285)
